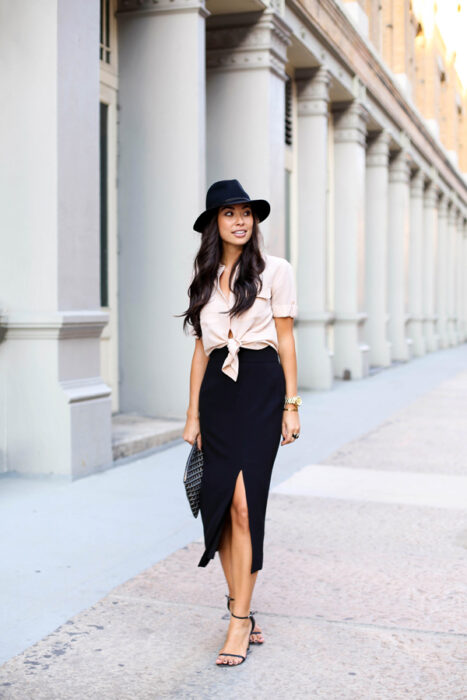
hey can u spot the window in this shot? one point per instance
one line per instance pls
(288, 131)
(104, 49)
(104, 272)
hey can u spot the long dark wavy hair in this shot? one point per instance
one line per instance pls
(247, 285)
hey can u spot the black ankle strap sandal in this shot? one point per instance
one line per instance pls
(240, 656)
(252, 612)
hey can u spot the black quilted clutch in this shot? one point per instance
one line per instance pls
(192, 477)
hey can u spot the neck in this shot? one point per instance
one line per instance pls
(230, 255)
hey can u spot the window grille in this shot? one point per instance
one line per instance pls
(288, 112)
(104, 48)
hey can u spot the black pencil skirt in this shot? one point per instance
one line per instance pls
(241, 425)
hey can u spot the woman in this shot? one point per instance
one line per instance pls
(243, 386)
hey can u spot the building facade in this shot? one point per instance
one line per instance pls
(349, 117)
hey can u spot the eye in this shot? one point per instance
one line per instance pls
(247, 212)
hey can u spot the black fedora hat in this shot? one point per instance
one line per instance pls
(225, 192)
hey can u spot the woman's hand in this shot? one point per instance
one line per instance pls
(192, 432)
(290, 424)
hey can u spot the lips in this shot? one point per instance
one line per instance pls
(239, 234)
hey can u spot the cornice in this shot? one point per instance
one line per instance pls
(377, 152)
(431, 193)
(58, 325)
(350, 122)
(312, 92)
(353, 51)
(417, 184)
(156, 7)
(249, 46)
(399, 168)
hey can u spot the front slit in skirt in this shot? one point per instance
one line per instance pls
(241, 425)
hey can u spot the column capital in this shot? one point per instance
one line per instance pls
(453, 213)
(377, 153)
(312, 91)
(399, 167)
(350, 120)
(417, 184)
(249, 46)
(149, 7)
(431, 195)
(443, 203)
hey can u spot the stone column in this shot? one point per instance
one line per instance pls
(162, 188)
(464, 281)
(351, 357)
(441, 307)
(415, 281)
(313, 355)
(429, 243)
(245, 111)
(398, 244)
(452, 270)
(376, 257)
(55, 412)
(460, 274)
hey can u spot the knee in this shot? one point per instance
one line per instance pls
(239, 516)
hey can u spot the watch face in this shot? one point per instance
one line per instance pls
(299, 401)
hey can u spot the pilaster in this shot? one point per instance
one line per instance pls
(415, 278)
(313, 354)
(398, 246)
(351, 356)
(464, 281)
(430, 227)
(442, 274)
(162, 142)
(452, 273)
(461, 272)
(245, 100)
(56, 408)
(376, 257)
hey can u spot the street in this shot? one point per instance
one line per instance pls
(363, 592)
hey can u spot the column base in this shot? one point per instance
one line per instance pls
(58, 407)
(443, 334)
(351, 355)
(313, 356)
(452, 334)
(380, 354)
(415, 331)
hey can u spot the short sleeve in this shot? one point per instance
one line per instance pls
(283, 291)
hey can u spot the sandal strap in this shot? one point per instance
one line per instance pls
(238, 655)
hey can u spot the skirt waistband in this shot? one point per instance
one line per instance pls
(267, 354)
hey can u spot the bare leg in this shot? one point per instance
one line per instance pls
(225, 553)
(240, 575)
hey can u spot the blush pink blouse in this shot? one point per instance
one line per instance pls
(255, 327)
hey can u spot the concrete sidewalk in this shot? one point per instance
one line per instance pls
(363, 585)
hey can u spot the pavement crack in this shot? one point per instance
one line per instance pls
(308, 618)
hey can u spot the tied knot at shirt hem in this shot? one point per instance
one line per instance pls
(230, 366)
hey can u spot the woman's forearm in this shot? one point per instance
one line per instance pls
(287, 354)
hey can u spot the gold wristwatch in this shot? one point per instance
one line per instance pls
(296, 400)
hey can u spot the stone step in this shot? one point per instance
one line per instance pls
(133, 433)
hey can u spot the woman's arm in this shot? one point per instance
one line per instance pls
(288, 357)
(198, 368)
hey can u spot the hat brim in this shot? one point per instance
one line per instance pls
(261, 208)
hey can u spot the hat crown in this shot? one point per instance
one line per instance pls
(225, 191)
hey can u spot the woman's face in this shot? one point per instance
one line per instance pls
(235, 223)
